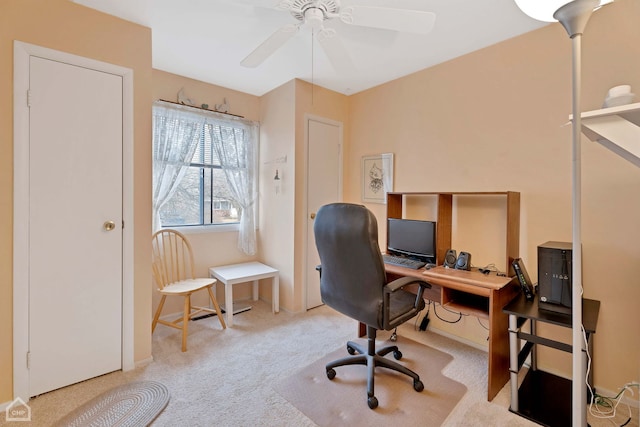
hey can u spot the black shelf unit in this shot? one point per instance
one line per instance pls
(543, 397)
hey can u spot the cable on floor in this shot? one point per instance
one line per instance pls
(605, 407)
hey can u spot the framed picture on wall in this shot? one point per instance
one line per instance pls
(377, 177)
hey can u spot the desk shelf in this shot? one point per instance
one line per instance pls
(466, 303)
(545, 399)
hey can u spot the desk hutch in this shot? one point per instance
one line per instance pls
(444, 219)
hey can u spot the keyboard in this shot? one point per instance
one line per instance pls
(403, 262)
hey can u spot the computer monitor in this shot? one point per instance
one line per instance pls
(413, 238)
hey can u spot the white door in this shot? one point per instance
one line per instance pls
(75, 224)
(324, 185)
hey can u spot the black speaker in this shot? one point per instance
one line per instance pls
(464, 261)
(450, 258)
(554, 276)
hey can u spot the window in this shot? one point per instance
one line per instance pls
(202, 197)
(204, 170)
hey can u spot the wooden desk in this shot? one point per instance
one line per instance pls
(477, 294)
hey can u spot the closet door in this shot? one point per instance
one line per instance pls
(75, 224)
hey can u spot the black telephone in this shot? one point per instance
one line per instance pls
(523, 278)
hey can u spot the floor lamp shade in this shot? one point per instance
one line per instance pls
(544, 10)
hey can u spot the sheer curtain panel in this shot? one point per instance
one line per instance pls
(175, 137)
(236, 148)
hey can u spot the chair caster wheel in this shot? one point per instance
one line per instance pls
(397, 355)
(418, 386)
(331, 374)
(351, 350)
(372, 402)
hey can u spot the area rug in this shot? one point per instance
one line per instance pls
(133, 404)
(343, 400)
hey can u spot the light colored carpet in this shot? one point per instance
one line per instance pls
(226, 377)
(134, 404)
(343, 400)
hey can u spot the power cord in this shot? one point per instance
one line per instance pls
(481, 324)
(491, 268)
(605, 407)
(450, 311)
(425, 320)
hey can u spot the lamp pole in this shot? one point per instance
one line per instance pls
(574, 17)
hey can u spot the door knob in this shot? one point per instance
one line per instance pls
(109, 225)
(313, 215)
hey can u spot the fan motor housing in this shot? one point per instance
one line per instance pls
(299, 7)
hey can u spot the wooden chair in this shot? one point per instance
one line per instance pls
(173, 271)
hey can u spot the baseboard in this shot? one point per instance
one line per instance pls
(459, 339)
(179, 314)
(144, 362)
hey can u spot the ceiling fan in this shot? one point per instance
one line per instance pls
(314, 13)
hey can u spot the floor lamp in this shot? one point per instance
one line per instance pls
(573, 15)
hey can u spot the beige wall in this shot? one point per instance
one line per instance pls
(283, 135)
(65, 26)
(493, 120)
(277, 141)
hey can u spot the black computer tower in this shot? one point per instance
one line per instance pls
(554, 276)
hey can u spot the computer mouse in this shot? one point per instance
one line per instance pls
(429, 266)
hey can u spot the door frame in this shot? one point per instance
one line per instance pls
(340, 125)
(21, 56)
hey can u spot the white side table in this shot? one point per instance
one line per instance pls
(242, 273)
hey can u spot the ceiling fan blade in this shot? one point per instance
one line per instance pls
(335, 51)
(404, 20)
(269, 46)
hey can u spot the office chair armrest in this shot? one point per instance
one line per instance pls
(391, 287)
(396, 285)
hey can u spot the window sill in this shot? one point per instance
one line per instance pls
(199, 229)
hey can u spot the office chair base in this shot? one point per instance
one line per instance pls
(372, 359)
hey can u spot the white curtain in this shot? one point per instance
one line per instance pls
(175, 137)
(236, 148)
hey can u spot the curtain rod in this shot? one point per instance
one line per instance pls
(200, 108)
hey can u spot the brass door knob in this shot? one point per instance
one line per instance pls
(313, 215)
(109, 225)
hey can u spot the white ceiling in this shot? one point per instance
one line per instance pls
(206, 40)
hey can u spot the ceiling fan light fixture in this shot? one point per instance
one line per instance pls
(314, 17)
(299, 8)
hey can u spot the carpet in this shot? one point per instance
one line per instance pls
(343, 400)
(132, 404)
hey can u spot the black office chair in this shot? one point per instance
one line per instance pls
(353, 282)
